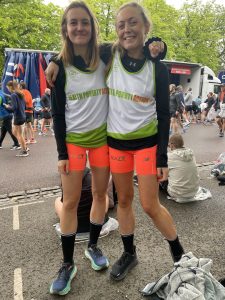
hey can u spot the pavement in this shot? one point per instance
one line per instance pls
(31, 251)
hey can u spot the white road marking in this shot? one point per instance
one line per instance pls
(18, 284)
(24, 204)
(16, 222)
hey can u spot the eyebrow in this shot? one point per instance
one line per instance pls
(129, 19)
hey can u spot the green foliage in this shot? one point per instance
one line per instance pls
(29, 24)
(194, 33)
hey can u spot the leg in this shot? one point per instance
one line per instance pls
(100, 177)
(122, 165)
(3, 132)
(71, 185)
(8, 125)
(148, 190)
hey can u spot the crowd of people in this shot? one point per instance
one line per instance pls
(185, 109)
(20, 115)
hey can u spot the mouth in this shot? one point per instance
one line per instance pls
(129, 38)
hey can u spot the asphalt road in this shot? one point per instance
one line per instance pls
(31, 252)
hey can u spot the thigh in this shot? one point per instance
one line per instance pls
(124, 186)
(77, 157)
(121, 161)
(148, 191)
(100, 179)
(145, 161)
(99, 157)
(72, 185)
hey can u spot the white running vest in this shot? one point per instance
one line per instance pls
(86, 106)
(132, 107)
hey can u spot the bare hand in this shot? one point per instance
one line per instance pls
(156, 48)
(162, 174)
(63, 167)
(51, 73)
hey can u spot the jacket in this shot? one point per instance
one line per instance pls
(190, 279)
(183, 180)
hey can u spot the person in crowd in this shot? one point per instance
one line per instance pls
(157, 50)
(210, 101)
(46, 111)
(28, 130)
(17, 106)
(37, 113)
(183, 179)
(138, 129)
(188, 98)
(181, 116)
(6, 122)
(219, 103)
(196, 108)
(174, 106)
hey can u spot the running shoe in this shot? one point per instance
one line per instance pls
(22, 153)
(62, 284)
(98, 260)
(15, 147)
(221, 134)
(42, 133)
(0, 146)
(123, 265)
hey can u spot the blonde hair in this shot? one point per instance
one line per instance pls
(177, 140)
(146, 20)
(116, 45)
(67, 53)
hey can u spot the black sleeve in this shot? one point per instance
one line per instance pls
(148, 53)
(58, 103)
(163, 115)
(105, 52)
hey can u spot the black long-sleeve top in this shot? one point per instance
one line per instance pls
(58, 99)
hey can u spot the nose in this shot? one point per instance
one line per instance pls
(79, 26)
(127, 27)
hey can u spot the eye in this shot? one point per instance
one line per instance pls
(120, 26)
(133, 23)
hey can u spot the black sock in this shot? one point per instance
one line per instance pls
(68, 241)
(176, 247)
(95, 230)
(128, 243)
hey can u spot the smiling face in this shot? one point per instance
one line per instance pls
(78, 28)
(131, 30)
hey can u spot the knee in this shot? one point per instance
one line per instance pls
(99, 195)
(151, 210)
(70, 205)
(125, 201)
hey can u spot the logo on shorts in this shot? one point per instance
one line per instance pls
(147, 158)
(118, 158)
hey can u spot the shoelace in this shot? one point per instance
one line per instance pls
(123, 258)
(63, 271)
(97, 252)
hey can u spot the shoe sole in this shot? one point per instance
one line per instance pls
(124, 274)
(68, 286)
(93, 265)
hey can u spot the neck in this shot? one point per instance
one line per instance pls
(81, 51)
(136, 54)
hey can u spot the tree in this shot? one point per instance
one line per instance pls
(37, 26)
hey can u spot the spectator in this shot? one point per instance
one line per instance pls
(218, 107)
(46, 111)
(28, 130)
(174, 107)
(17, 106)
(188, 98)
(37, 112)
(6, 123)
(210, 101)
(183, 179)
